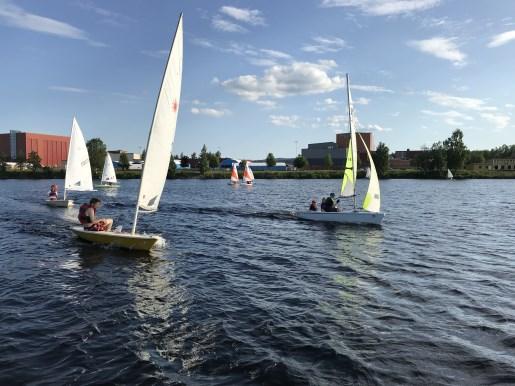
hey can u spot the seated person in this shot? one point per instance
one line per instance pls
(313, 206)
(323, 206)
(52, 195)
(87, 217)
(330, 203)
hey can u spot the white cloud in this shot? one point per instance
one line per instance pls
(74, 90)
(500, 121)
(285, 120)
(501, 39)
(370, 88)
(225, 25)
(276, 54)
(451, 117)
(15, 16)
(384, 7)
(215, 113)
(337, 121)
(509, 105)
(278, 81)
(443, 48)
(267, 103)
(458, 102)
(322, 45)
(377, 127)
(107, 16)
(361, 101)
(244, 15)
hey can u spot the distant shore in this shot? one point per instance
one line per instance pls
(298, 174)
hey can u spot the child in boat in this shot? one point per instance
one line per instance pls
(52, 195)
(313, 206)
(87, 217)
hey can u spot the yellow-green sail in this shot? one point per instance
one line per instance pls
(348, 176)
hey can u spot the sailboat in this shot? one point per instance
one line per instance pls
(367, 173)
(449, 175)
(235, 179)
(108, 174)
(78, 170)
(370, 212)
(248, 176)
(158, 150)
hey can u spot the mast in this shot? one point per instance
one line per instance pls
(68, 157)
(352, 137)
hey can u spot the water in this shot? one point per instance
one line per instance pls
(243, 293)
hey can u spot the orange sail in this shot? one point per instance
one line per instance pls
(248, 176)
(234, 174)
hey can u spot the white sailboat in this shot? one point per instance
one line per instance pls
(108, 174)
(370, 212)
(367, 173)
(248, 175)
(449, 175)
(78, 170)
(158, 151)
(235, 179)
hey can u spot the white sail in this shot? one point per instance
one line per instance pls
(108, 174)
(78, 169)
(351, 165)
(449, 174)
(372, 201)
(367, 174)
(162, 131)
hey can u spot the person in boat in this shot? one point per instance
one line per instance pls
(323, 204)
(87, 217)
(330, 204)
(313, 206)
(52, 195)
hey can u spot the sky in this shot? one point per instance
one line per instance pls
(262, 76)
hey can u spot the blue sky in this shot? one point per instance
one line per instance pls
(260, 75)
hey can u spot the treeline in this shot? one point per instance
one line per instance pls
(442, 155)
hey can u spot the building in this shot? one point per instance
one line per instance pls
(405, 159)
(262, 166)
(133, 157)
(342, 141)
(499, 164)
(226, 163)
(53, 149)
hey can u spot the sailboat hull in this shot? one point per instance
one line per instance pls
(119, 240)
(107, 186)
(354, 217)
(59, 203)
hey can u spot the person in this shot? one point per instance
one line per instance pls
(52, 195)
(330, 203)
(87, 217)
(313, 206)
(323, 206)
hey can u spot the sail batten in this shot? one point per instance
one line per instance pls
(78, 170)
(108, 173)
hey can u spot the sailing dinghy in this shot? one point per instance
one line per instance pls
(248, 176)
(159, 147)
(78, 170)
(370, 212)
(449, 175)
(108, 174)
(235, 179)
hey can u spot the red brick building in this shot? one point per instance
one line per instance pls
(53, 149)
(342, 141)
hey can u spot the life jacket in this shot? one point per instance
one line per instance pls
(83, 217)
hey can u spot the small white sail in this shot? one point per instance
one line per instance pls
(351, 164)
(108, 174)
(449, 175)
(78, 170)
(372, 201)
(367, 175)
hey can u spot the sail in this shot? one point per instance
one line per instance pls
(351, 164)
(372, 201)
(449, 174)
(108, 175)
(234, 174)
(248, 176)
(162, 132)
(78, 169)
(367, 174)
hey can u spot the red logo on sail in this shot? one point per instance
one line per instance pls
(174, 106)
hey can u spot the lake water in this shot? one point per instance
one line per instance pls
(243, 293)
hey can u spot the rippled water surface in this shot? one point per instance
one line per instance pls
(243, 293)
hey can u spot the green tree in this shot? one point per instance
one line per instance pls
(171, 168)
(124, 161)
(214, 160)
(185, 161)
(243, 164)
(34, 160)
(20, 162)
(328, 161)
(97, 153)
(194, 160)
(144, 154)
(204, 160)
(381, 159)
(438, 157)
(476, 157)
(3, 163)
(423, 161)
(300, 162)
(456, 150)
(270, 160)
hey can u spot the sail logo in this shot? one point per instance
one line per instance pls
(174, 106)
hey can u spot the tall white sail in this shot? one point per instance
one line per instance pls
(78, 169)
(162, 131)
(372, 201)
(351, 164)
(449, 174)
(108, 174)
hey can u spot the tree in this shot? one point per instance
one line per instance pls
(171, 167)
(437, 157)
(214, 160)
(124, 161)
(270, 160)
(423, 161)
(185, 161)
(328, 161)
(194, 160)
(243, 164)
(204, 160)
(300, 162)
(381, 159)
(34, 160)
(144, 154)
(456, 150)
(97, 153)
(3, 163)
(20, 162)
(476, 157)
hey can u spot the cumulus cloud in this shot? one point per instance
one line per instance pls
(211, 112)
(377, 127)
(442, 48)
(498, 120)
(361, 101)
(337, 121)
(458, 102)
(244, 15)
(384, 7)
(502, 39)
(285, 120)
(224, 25)
(322, 45)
